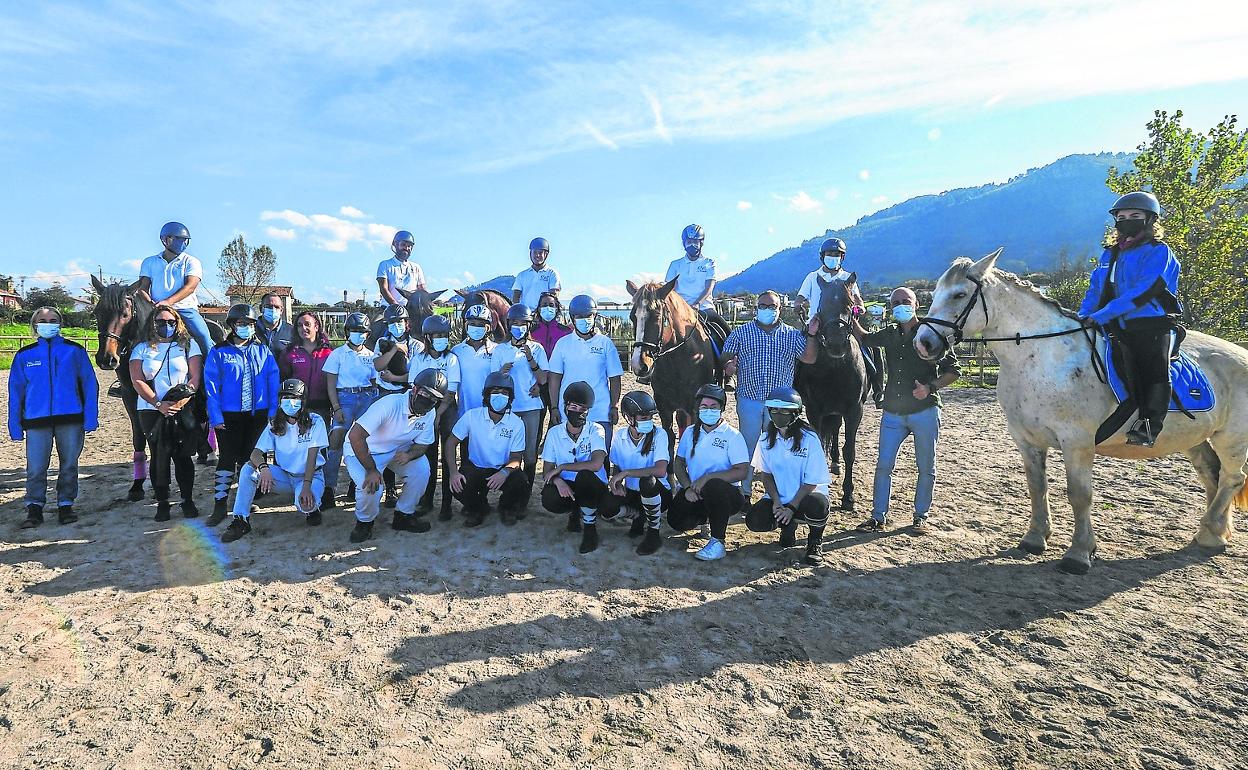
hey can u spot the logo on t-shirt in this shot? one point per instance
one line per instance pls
(583, 447)
(720, 443)
(803, 452)
(504, 432)
(597, 349)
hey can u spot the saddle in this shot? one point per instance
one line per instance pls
(1190, 388)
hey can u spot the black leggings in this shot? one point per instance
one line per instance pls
(611, 504)
(158, 468)
(234, 445)
(719, 501)
(813, 509)
(587, 491)
(513, 496)
(1148, 351)
(441, 431)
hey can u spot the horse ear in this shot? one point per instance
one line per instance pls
(462, 293)
(852, 280)
(435, 294)
(667, 289)
(632, 288)
(823, 283)
(982, 267)
(98, 284)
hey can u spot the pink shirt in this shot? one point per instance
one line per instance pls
(302, 365)
(547, 334)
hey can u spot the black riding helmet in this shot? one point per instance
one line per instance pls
(637, 402)
(497, 381)
(292, 388)
(435, 324)
(432, 382)
(579, 393)
(832, 246)
(394, 313)
(241, 312)
(519, 312)
(712, 391)
(784, 406)
(357, 322)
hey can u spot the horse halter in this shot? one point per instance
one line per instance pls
(655, 349)
(128, 298)
(958, 324)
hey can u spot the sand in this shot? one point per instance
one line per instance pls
(125, 643)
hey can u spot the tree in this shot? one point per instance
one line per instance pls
(54, 296)
(1200, 181)
(248, 270)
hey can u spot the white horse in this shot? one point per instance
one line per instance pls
(1053, 398)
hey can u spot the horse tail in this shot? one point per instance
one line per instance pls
(1241, 499)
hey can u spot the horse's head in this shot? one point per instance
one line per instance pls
(837, 299)
(648, 315)
(958, 306)
(114, 311)
(498, 304)
(420, 307)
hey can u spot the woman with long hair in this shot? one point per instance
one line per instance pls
(639, 457)
(304, 360)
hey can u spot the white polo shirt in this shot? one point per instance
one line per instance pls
(490, 443)
(559, 448)
(401, 275)
(168, 277)
(447, 363)
(792, 469)
(627, 456)
(354, 367)
(474, 366)
(522, 377)
(593, 361)
(290, 450)
(531, 283)
(811, 290)
(164, 365)
(692, 276)
(718, 450)
(392, 426)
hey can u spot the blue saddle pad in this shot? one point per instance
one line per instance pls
(1191, 386)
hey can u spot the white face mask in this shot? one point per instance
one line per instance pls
(476, 333)
(48, 330)
(271, 314)
(832, 263)
(645, 426)
(291, 406)
(244, 331)
(440, 343)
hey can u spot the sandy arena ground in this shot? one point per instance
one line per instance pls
(130, 644)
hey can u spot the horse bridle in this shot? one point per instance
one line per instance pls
(129, 300)
(655, 349)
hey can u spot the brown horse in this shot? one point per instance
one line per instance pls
(498, 304)
(671, 350)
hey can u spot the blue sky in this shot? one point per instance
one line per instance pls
(321, 127)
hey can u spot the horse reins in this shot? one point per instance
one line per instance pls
(658, 350)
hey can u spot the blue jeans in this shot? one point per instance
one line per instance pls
(353, 406)
(249, 482)
(198, 328)
(751, 417)
(894, 428)
(69, 439)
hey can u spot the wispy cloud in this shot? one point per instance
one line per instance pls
(353, 212)
(744, 205)
(660, 127)
(803, 203)
(598, 136)
(328, 232)
(280, 234)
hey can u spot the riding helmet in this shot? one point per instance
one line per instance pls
(292, 388)
(433, 382)
(713, 391)
(784, 398)
(692, 233)
(478, 313)
(638, 402)
(582, 306)
(539, 244)
(435, 324)
(394, 313)
(519, 312)
(1144, 201)
(402, 236)
(174, 230)
(357, 322)
(241, 312)
(497, 381)
(832, 246)
(579, 393)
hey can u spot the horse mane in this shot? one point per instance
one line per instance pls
(1005, 276)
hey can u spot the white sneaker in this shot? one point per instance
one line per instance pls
(713, 550)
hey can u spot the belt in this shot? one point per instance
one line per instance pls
(357, 390)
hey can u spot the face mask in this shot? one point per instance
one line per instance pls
(709, 416)
(781, 419)
(178, 245)
(547, 313)
(476, 333)
(499, 401)
(357, 338)
(291, 406)
(694, 250)
(766, 316)
(48, 330)
(903, 314)
(271, 314)
(518, 332)
(832, 263)
(166, 328)
(577, 419)
(396, 330)
(1130, 228)
(584, 325)
(645, 426)
(422, 404)
(244, 331)
(440, 343)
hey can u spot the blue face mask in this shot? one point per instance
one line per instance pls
(291, 406)
(645, 426)
(47, 330)
(271, 314)
(166, 328)
(440, 343)
(357, 338)
(244, 331)
(547, 313)
(903, 313)
(709, 416)
(396, 330)
(832, 263)
(519, 332)
(766, 316)
(499, 401)
(476, 333)
(584, 325)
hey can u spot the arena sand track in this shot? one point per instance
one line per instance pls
(130, 644)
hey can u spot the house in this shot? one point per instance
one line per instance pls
(8, 297)
(214, 313)
(238, 295)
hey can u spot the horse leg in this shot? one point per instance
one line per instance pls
(1207, 466)
(852, 421)
(1078, 458)
(830, 434)
(1217, 526)
(138, 441)
(1035, 464)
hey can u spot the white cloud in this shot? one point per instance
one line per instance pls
(744, 205)
(611, 293)
(832, 194)
(864, 175)
(286, 215)
(133, 264)
(598, 136)
(328, 232)
(660, 127)
(802, 203)
(880, 199)
(934, 134)
(353, 212)
(280, 234)
(993, 101)
(771, 230)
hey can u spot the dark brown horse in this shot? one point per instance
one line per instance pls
(672, 351)
(496, 301)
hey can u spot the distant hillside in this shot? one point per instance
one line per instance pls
(1035, 216)
(501, 283)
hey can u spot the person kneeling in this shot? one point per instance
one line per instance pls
(711, 460)
(640, 455)
(495, 454)
(572, 459)
(791, 464)
(394, 434)
(297, 461)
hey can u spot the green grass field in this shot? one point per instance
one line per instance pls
(15, 336)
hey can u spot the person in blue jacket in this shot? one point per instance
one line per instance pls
(241, 382)
(1133, 296)
(53, 396)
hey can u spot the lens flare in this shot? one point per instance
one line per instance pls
(191, 555)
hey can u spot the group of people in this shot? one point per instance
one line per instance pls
(288, 410)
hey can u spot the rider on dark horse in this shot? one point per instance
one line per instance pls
(695, 282)
(399, 274)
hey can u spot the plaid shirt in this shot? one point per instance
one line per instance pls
(765, 359)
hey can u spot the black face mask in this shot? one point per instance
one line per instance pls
(1130, 228)
(577, 419)
(782, 419)
(422, 404)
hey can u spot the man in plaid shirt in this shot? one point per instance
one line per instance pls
(762, 354)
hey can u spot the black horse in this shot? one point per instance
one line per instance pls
(835, 386)
(121, 316)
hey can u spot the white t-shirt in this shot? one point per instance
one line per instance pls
(401, 275)
(522, 377)
(627, 456)
(792, 469)
(811, 290)
(447, 363)
(531, 283)
(168, 277)
(558, 447)
(164, 372)
(490, 443)
(354, 367)
(593, 361)
(692, 275)
(391, 425)
(718, 450)
(290, 450)
(474, 366)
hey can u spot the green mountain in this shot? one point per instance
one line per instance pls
(1037, 216)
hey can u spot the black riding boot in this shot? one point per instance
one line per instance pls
(1152, 416)
(814, 547)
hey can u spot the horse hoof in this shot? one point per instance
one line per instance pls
(835, 469)
(847, 505)
(1031, 548)
(136, 491)
(1073, 566)
(1211, 548)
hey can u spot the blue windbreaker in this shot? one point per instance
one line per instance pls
(224, 370)
(52, 382)
(1143, 283)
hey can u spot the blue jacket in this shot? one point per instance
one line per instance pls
(1144, 283)
(224, 370)
(52, 382)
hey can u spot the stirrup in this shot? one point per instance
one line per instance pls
(1141, 433)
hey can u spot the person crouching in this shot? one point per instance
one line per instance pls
(395, 433)
(572, 458)
(494, 458)
(789, 460)
(639, 455)
(295, 437)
